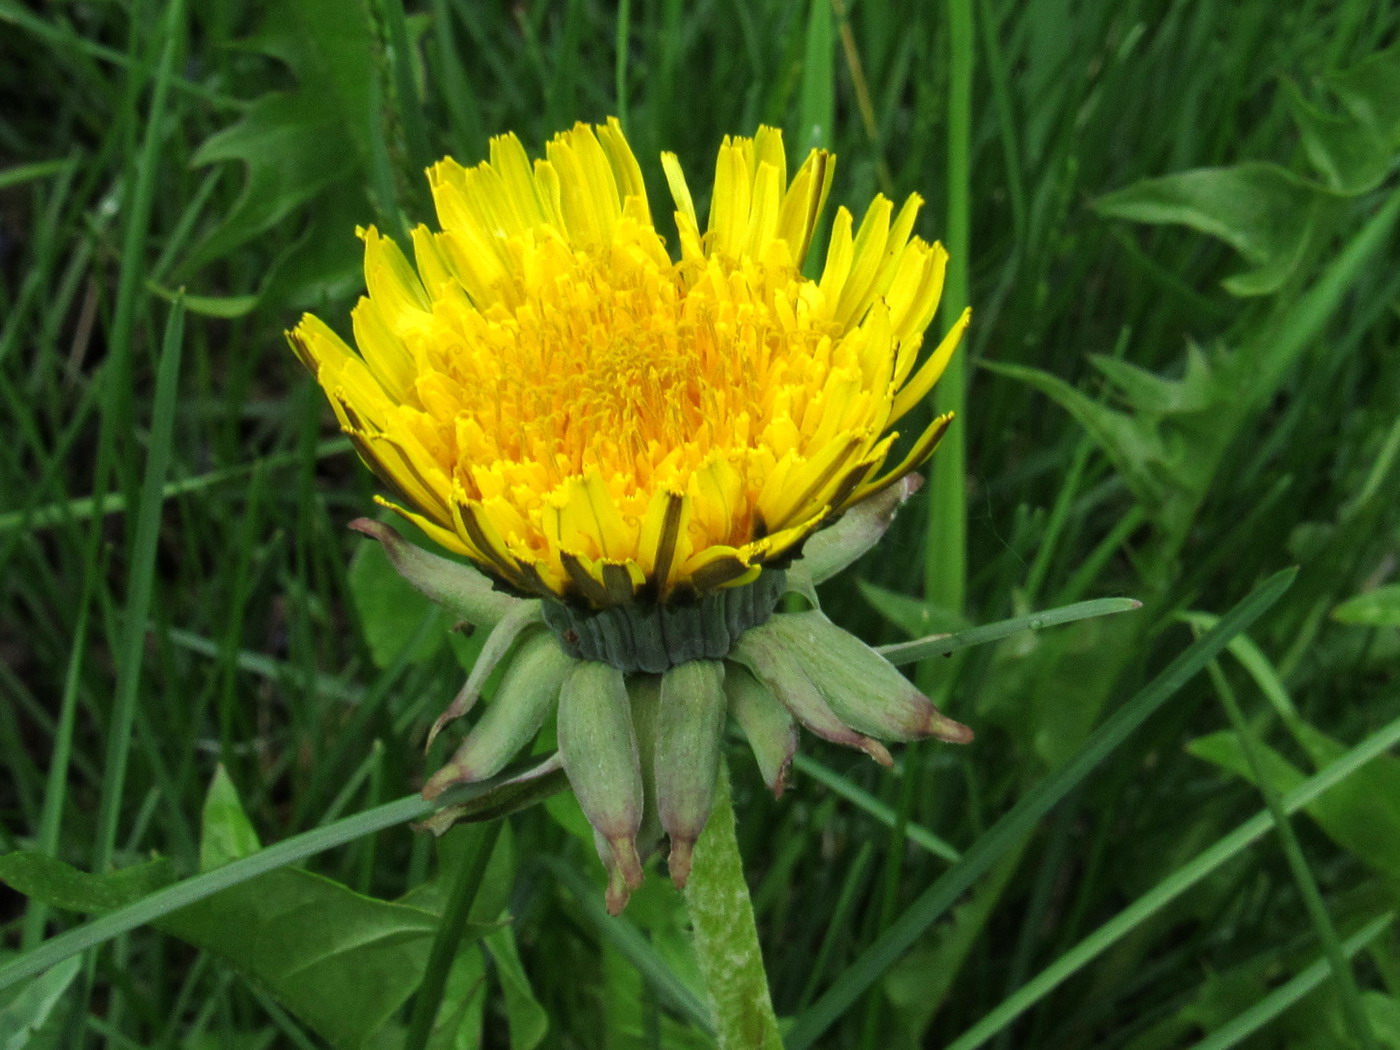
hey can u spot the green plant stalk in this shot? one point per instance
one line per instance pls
(726, 937)
(449, 937)
(945, 553)
(1347, 991)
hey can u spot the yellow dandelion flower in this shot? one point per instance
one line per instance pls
(552, 395)
(643, 455)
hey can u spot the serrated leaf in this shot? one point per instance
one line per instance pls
(1263, 211)
(1376, 608)
(1370, 90)
(293, 148)
(1133, 446)
(296, 144)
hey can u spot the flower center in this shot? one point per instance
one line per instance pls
(654, 637)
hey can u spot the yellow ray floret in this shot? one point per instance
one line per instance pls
(549, 393)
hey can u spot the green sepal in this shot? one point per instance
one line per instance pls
(764, 652)
(767, 725)
(860, 528)
(459, 588)
(527, 694)
(863, 688)
(521, 616)
(644, 691)
(688, 733)
(599, 748)
(516, 788)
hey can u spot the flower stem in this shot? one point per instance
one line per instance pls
(449, 935)
(726, 939)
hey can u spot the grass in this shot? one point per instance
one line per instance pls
(1212, 866)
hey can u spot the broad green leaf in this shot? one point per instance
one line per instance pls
(1377, 608)
(1362, 814)
(341, 962)
(24, 1011)
(60, 885)
(228, 833)
(391, 612)
(1263, 211)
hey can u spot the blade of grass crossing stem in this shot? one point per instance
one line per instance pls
(945, 554)
(140, 583)
(1008, 831)
(1174, 885)
(1266, 1009)
(172, 898)
(943, 644)
(449, 936)
(1347, 991)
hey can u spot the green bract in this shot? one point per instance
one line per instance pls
(641, 693)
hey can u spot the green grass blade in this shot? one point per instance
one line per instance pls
(1010, 829)
(816, 123)
(945, 550)
(1280, 999)
(1171, 887)
(622, 41)
(1347, 991)
(56, 787)
(140, 584)
(83, 507)
(920, 836)
(943, 644)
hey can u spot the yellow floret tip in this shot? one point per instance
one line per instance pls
(548, 392)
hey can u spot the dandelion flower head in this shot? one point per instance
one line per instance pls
(550, 393)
